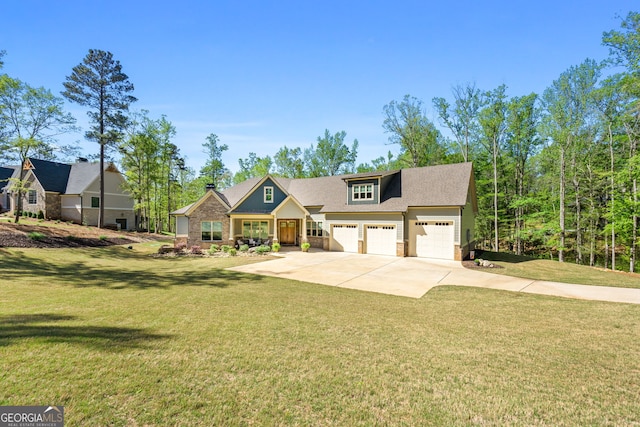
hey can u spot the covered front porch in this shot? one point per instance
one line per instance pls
(286, 225)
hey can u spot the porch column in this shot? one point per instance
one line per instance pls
(275, 229)
(304, 229)
(231, 231)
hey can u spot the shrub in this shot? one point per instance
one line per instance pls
(103, 238)
(40, 215)
(244, 248)
(226, 248)
(196, 250)
(305, 246)
(181, 247)
(213, 249)
(263, 249)
(232, 251)
(166, 249)
(71, 237)
(35, 235)
(275, 247)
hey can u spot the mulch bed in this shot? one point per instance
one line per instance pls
(15, 240)
(74, 236)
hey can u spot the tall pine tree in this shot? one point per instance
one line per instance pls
(99, 83)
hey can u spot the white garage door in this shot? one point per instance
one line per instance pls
(434, 239)
(381, 240)
(344, 237)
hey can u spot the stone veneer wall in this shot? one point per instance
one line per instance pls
(209, 210)
(53, 206)
(462, 253)
(316, 242)
(40, 205)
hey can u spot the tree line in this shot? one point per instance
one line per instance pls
(556, 172)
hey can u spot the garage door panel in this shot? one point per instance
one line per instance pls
(434, 239)
(344, 238)
(381, 239)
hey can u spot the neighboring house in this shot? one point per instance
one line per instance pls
(71, 192)
(5, 199)
(425, 212)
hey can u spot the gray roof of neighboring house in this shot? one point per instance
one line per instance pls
(442, 185)
(62, 177)
(81, 175)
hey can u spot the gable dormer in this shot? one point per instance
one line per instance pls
(264, 197)
(367, 188)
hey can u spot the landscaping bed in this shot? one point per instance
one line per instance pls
(55, 234)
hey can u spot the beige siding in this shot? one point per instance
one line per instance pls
(71, 208)
(114, 194)
(117, 203)
(362, 219)
(437, 214)
(290, 210)
(468, 223)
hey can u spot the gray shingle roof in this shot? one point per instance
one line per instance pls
(82, 174)
(442, 185)
(238, 191)
(183, 210)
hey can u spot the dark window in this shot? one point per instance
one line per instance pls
(95, 202)
(211, 230)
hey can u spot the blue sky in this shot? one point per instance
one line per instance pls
(264, 74)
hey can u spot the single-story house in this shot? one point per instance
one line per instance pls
(425, 212)
(71, 192)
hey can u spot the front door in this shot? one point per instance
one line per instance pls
(287, 232)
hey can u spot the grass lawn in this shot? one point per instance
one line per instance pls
(567, 272)
(120, 338)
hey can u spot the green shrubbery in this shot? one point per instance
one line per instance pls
(263, 249)
(35, 235)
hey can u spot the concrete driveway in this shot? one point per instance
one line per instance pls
(414, 277)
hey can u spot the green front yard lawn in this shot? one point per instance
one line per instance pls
(567, 272)
(120, 338)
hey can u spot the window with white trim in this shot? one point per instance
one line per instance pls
(33, 197)
(255, 229)
(211, 230)
(363, 192)
(268, 194)
(314, 229)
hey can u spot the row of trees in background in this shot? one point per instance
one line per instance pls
(556, 172)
